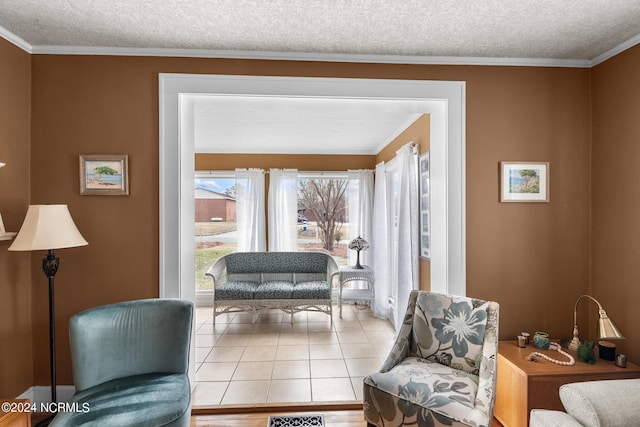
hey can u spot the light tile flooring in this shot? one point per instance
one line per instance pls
(272, 361)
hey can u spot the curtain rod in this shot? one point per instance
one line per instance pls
(213, 173)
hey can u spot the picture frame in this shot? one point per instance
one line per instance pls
(524, 182)
(425, 206)
(104, 174)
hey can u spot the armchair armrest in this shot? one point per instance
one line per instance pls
(400, 349)
(593, 402)
(548, 418)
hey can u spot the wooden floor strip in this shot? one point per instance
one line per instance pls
(259, 416)
(280, 408)
(340, 418)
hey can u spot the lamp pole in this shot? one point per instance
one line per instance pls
(50, 266)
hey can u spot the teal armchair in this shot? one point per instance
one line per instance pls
(130, 365)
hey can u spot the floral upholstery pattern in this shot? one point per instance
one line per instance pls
(449, 330)
(442, 368)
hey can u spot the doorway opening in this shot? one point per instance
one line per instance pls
(444, 101)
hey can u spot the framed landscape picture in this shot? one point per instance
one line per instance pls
(104, 174)
(524, 181)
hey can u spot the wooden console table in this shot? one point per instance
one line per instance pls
(523, 385)
(14, 417)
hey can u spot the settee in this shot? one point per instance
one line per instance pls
(256, 281)
(608, 403)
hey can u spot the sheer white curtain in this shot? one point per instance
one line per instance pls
(407, 229)
(380, 247)
(283, 209)
(360, 211)
(395, 241)
(250, 218)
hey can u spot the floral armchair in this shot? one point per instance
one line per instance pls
(442, 368)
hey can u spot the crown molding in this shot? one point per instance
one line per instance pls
(616, 50)
(316, 57)
(309, 56)
(12, 38)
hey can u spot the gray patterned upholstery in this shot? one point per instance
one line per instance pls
(256, 281)
(317, 289)
(276, 262)
(236, 290)
(274, 290)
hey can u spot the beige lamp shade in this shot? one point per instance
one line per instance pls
(47, 227)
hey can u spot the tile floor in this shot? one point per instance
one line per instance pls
(272, 361)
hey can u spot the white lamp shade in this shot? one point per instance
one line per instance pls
(47, 227)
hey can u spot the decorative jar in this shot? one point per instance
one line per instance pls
(541, 340)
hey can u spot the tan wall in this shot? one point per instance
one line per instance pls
(16, 353)
(615, 230)
(302, 162)
(532, 258)
(418, 132)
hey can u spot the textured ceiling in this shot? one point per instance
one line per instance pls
(552, 29)
(519, 32)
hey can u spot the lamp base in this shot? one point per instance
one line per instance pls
(564, 343)
(574, 344)
(358, 266)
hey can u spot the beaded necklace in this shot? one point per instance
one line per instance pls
(552, 346)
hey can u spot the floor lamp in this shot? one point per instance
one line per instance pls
(48, 227)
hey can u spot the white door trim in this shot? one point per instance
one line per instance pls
(443, 100)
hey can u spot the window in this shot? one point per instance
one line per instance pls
(322, 214)
(215, 222)
(322, 221)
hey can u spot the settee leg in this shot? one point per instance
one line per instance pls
(331, 313)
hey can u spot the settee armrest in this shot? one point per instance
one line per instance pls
(332, 269)
(218, 272)
(547, 418)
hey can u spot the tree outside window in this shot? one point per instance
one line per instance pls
(323, 213)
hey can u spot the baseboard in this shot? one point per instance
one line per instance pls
(40, 394)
